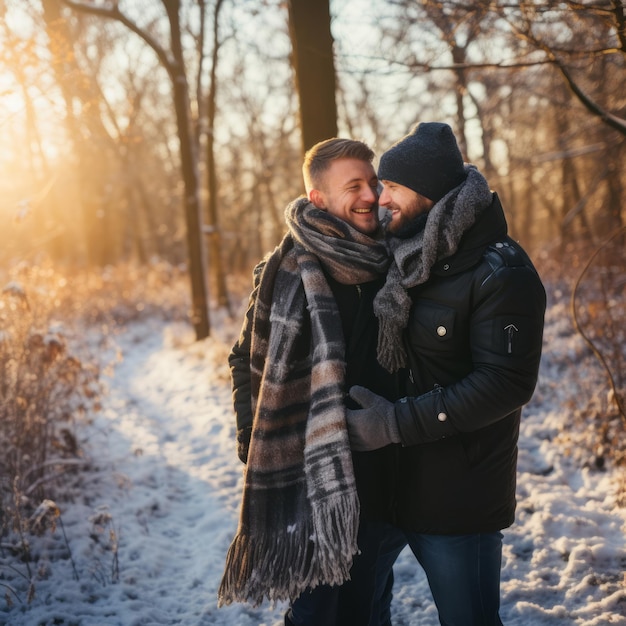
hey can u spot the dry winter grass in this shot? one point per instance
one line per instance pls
(593, 283)
(50, 381)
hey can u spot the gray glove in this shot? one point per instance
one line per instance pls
(375, 425)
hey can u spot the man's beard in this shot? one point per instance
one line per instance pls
(412, 227)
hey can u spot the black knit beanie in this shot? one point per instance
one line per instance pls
(427, 160)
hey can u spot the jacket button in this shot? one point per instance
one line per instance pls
(441, 331)
(442, 417)
(446, 267)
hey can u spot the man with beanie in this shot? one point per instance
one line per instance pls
(462, 308)
(313, 510)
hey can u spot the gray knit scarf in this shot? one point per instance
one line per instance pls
(300, 511)
(413, 259)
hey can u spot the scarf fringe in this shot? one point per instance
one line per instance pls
(391, 352)
(279, 567)
(258, 567)
(392, 307)
(336, 546)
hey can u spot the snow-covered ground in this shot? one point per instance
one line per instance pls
(149, 527)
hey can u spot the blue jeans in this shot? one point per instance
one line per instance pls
(353, 602)
(463, 573)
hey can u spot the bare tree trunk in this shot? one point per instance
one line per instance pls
(215, 246)
(615, 187)
(458, 57)
(612, 219)
(189, 164)
(173, 61)
(314, 65)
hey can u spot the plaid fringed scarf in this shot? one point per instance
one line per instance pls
(300, 511)
(414, 258)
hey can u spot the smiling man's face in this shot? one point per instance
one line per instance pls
(408, 209)
(349, 191)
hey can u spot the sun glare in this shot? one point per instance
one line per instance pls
(11, 102)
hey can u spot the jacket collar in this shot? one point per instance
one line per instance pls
(489, 227)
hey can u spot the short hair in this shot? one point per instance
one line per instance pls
(318, 158)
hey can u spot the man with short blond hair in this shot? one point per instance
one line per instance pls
(309, 503)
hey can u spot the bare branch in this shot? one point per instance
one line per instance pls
(113, 12)
(593, 107)
(598, 354)
(608, 118)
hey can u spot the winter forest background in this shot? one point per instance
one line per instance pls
(148, 149)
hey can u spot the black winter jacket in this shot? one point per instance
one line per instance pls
(474, 342)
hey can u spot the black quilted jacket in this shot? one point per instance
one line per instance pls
(474, 341)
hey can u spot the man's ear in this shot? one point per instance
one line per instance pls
(317, 198)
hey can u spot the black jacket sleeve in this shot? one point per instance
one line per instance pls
(239, 363)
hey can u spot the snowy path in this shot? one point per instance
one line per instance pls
(169, 481)
(173, 446)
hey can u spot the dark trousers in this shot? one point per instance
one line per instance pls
(352, 603)
(463, 573)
